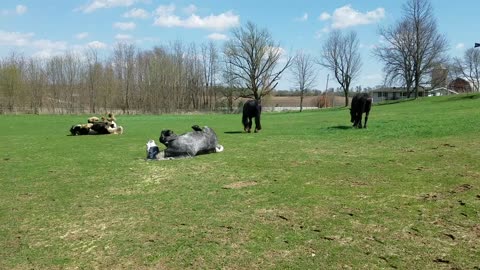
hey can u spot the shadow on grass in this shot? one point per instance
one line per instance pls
(233, 132)
(340, 127)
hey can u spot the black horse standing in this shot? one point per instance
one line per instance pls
(251, 109)
(361, 103)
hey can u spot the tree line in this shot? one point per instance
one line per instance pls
(186, 77)
(164, 79)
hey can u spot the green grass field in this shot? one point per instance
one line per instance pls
(308, 192)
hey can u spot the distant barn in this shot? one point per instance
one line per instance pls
(460, 85)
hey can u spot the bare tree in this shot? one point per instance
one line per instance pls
(56, 83)
(340, 55)
(469, 67)
(231, 85)
(304, 74)
(255, 59)
(194, 77)
(430, 46)
(397, 55)
(124, 60)
(11, 82)
(108, 86)
(35, 80)
(210, 59)
(72, 72)
(94, 70)
(413, 46)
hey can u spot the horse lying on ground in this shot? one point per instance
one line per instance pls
(190, 144)
(251, 109)
(97, 128)
(361, 103)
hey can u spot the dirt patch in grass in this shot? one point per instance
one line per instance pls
(241, 184)
(156, 174)
(462, 188)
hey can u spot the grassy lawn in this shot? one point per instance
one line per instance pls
(308, 192)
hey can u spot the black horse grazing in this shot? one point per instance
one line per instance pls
(251, 109)
(197, 142)
(361, 103)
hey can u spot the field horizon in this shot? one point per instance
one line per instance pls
(307, 192)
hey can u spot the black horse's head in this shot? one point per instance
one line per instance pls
(167, 136)
(352, 116)
(74, 129)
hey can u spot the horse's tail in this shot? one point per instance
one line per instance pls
(219, 148)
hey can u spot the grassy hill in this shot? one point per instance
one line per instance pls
(308, 192)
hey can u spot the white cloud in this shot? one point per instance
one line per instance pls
(97, 45)
(302, 18)
(136, 13)
(48, 48)
(123, 37)
(15, 38)
(165, 10)
(217, 36)
(277, 50)
(82, 35)
(460, 46)
(124, 25)
(168, 21)
(324, 16)
(319, 34)
(21, 9)
(46, 44)
(167, 18)
(217, 22)
(346, 16)
(43, 54)
(191, 9)
(281, 51)
(98, 4)
(43, 48)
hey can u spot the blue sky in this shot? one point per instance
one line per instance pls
(43, 28)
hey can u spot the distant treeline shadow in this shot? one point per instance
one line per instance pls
(233, 132)
(340, 127)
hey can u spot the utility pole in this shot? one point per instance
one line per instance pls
(326, 89)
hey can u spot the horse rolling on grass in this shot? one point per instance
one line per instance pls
(190, 144)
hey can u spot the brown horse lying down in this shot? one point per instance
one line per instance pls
(197, 142)
(97, 128)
